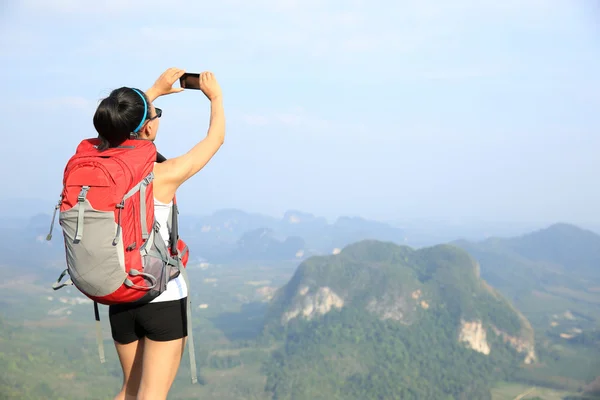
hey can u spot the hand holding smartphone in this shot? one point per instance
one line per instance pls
(210, 87)
(190, 81)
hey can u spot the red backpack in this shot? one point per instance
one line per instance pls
(114, 251)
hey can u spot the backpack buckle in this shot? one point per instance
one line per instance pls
(83, 194)
(146, 181)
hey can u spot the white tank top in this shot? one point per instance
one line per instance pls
(176, 288)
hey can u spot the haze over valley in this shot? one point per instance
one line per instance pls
(296, 307)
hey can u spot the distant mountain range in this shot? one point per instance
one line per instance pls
(548, 259)
(225, 236)
(234, 234)
(366, 316)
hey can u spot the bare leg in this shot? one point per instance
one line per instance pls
(160, 364)
(131, 356)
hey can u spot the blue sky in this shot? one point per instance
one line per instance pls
(459, 110)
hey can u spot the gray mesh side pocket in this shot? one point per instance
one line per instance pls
(155, 266)
(155, 259)
(95, 265)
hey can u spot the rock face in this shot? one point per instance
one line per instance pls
(522, 345)
(310, 304)
(475, 336)
(266, 293)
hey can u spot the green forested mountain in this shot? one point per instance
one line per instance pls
(386, 321)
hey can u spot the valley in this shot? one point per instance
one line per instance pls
(258, 325)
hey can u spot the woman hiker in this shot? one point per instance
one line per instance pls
(150, 338)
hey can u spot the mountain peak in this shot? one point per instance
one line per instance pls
(562, 244)
(562, 228)
(374, 250)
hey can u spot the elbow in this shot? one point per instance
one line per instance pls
(221, 139)
(215, 140)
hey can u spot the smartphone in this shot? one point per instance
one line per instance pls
(190, 81)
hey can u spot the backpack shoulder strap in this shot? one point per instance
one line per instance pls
(160, 158)
(172, 222)
(172, 225)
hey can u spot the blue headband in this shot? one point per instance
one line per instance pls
(145, 110)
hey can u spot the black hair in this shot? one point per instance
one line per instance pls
(118, 115)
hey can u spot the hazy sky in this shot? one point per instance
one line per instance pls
(385, 109)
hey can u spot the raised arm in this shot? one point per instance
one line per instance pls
(170, 174)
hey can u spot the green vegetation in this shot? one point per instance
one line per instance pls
(52, 362)
(48, 346)
(352, 355)
(397, 334)
(384, 343)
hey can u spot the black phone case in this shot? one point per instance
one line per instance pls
(190, 81)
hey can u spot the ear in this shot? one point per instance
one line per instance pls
(146, 131)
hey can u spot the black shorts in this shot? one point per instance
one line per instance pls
(161, 321)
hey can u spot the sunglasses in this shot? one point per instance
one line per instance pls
(158, 113)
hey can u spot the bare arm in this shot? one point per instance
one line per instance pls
(170, 174)
(175, 171)
(164, 84)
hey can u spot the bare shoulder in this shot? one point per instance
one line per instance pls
(161, 169)
(177, 170)
(172, 170)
